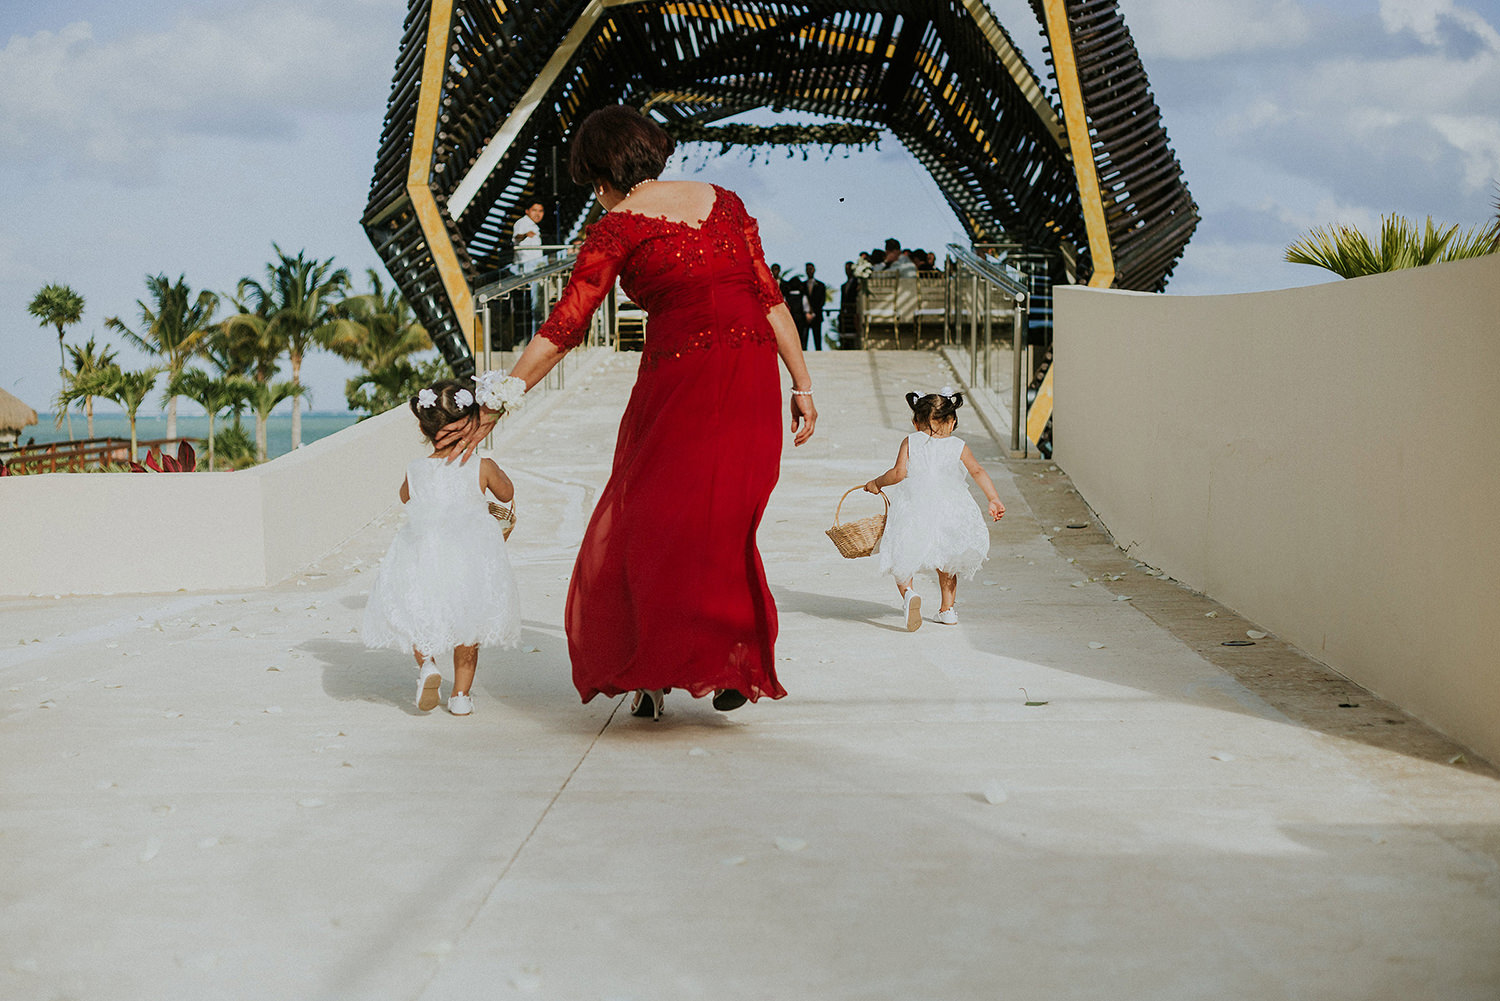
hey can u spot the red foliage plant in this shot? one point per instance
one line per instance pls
(185, 462)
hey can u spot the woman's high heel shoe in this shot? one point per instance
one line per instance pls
(647, 702)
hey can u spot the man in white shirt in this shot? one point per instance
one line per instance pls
(897, 260)
(527, 237)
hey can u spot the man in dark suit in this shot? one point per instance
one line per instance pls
(794, 291)
(817, 298)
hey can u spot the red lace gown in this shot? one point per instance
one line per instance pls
(668, 590)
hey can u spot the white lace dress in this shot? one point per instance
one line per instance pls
(446, 581)
(934, 522)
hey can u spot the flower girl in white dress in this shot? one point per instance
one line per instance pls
(934, 523)
(446, 582)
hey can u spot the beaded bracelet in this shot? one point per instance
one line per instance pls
(801, 392)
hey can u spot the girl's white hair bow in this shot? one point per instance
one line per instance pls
(426, 398)
(463, 399)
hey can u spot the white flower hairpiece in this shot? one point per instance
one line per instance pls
(502, 394)
(426, 398)
(463, 399)
(947, 391)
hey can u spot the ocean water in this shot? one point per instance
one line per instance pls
(315, 425)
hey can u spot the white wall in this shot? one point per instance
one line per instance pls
(111, 533)
(106, 533)
(1322, 460)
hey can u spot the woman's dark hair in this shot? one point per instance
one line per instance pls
(618, 145)
(934, 407)
(445, 409)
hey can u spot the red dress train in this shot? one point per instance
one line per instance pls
(668, 590)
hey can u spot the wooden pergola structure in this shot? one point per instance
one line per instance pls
(486, 95)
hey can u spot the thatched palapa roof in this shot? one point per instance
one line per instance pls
(14, 415)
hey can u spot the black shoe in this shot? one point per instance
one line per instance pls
(729, 699)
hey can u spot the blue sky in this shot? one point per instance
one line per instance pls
(186, 137)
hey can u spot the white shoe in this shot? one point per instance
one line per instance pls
(460, 705)
(947, 617)
(428, 680)
(913, 610)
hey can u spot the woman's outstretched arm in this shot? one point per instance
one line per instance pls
(789, 347)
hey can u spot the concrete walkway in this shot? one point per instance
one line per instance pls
(225, 796)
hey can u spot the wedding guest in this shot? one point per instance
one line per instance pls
(817, 298)
(848, 323)
(527, 237)
(668, 590)
(794, 292)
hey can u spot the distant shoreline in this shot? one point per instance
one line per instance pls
(315, 424)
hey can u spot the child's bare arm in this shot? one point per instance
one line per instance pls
(891, 476)
(405, 491)
(997, 510)
(493, 479)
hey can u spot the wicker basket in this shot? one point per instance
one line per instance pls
(506, 516)
(857, 538)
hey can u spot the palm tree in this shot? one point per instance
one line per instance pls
(378, 391)
(128, 389)
(263, 398)
(171, 328)
(58, 306)
(244, 343)
(86, 360)
(213, 395)
(1494, 230)
(1349, 253)
(377, 328)
(297, 301)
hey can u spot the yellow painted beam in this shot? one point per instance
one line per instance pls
(1041, 408)
(1060, 38)
(419, 172)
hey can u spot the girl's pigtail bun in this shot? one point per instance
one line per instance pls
(958, 400)
(912, 399)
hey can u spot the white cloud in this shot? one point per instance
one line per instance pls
(72, 100)
(1424, 18)
(1209, 29)
(1477, 140)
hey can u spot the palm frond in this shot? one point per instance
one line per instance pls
(1348, 252)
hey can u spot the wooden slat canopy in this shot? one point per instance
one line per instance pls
(486, 95)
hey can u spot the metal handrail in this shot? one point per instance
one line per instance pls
(1012, 279)
(510, 283)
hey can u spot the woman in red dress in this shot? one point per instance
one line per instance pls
(668, 590)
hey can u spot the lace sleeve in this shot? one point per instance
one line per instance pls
(770, 292)
(594, 273)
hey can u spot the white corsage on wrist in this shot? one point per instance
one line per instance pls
(502, 394)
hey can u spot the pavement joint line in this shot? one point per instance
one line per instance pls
(510, 862)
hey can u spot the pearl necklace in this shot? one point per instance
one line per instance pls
(637, 185)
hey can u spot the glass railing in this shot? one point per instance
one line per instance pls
(985, 313)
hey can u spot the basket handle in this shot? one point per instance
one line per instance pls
(850, 491)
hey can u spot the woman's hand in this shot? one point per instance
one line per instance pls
(467, 433)
(997, 510)
(804, 418)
